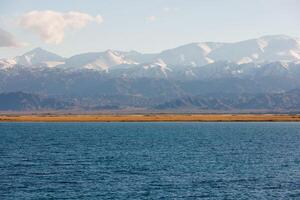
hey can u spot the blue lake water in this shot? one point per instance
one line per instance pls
(149, 161)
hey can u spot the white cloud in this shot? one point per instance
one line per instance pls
(7, 39)
(99, 19)
(151, 18)
(51, 25)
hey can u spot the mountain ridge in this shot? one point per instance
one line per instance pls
(259, 50)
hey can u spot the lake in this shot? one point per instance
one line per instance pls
(150, 160)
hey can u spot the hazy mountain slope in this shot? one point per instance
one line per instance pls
(155, 80)
(277, 101)
(20, 101)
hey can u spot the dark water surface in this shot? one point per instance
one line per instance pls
(150, 161)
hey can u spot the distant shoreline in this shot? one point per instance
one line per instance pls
(152, 118)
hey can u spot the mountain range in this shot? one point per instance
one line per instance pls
(252, 69)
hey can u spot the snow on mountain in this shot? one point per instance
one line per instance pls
(97, 61)
(137, 56)
(52, 64)
(195, 54)
(264, 49)
(38, 56)
(7, 63)
(35, 58)
(225, 69)
(156, 69)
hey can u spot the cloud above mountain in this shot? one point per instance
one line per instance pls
(51, 25)
(7, 39)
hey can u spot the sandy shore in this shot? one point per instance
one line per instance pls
(150, 118)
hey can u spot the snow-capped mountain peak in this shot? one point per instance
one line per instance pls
(37, 56)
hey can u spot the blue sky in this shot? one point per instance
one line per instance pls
(146, 26)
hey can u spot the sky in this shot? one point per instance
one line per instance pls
(69, 27)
